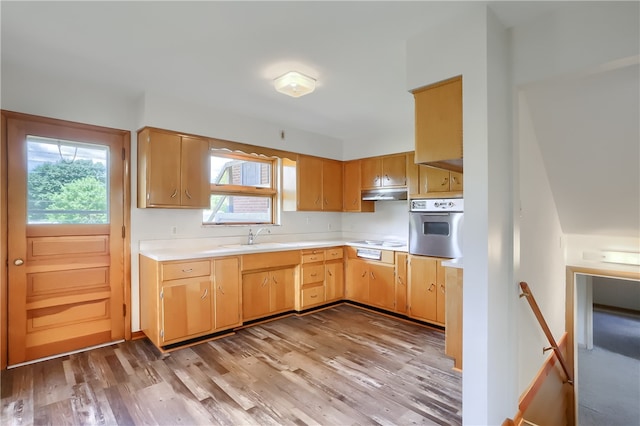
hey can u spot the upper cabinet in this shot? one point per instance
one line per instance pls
(173, 170)
(438, 121)
(352, 199)
(318, 184)
(384, 172)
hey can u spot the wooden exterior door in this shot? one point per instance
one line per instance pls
(67, 192)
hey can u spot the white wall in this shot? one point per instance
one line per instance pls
(616, 292)
(475, 45)
(584, 311)
(581, 248)
(542, 252)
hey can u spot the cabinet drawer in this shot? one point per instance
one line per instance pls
(312, 274)
(333, 253)
(312, 296)
(195, 268)
(312, 256)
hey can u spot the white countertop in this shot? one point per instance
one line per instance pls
(182, 253)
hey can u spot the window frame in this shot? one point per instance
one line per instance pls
(272, 192)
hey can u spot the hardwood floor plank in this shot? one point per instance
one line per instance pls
(339, 366)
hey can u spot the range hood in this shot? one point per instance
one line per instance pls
(384, 194)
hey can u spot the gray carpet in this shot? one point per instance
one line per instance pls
(609, 375)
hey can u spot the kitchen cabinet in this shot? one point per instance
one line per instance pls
(381, 286)
(434, 179)
(268, 283)
(401, 282)
(426, 289)
(371, 282)
(384, 172)
(322, 277)
(268, 292)
(334, 274)
(438, 124)
(352, 190)
(318, 184)
(453, 331)
(178, 300)
(173, 170)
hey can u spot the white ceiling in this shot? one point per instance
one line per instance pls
(226, 54)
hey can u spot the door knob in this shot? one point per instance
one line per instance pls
(18, 262)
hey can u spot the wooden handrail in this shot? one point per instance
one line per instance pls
(526, 292)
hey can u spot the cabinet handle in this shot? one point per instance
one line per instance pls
(186, 192)
(376, 179)
(313, 296)
(317, 200)
(326, 201)
(444, 181)
(442, 288)
(454, 179)
(387, 177)
(265, 281)
(431, 287)
(400, 280)
(329, 272)
(315, 274)
(313, 258)
(275, 281)
(206, 291)
(372, 275)
(220, 289)
(363, 274)
(355, 201)
(175, 192)
(187, 271)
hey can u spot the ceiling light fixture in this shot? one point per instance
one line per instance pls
(294, 84)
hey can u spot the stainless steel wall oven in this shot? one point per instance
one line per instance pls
(435, 227)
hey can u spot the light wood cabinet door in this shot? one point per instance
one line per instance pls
(334, 280)
(455, 181)
(160, 153)
(186, 309)
(332, 185)
(309, 183)
(401, 283)
(433, 179)
(352, 196)
(423, 288)
(394, 170)
(453, 330)
(441, 293)
(370, 172)
(282, 290)
(194, 173)
(256, 295)
(357, 285)
(227, 293)
(438, 121)
(173, 170)
(381, 286)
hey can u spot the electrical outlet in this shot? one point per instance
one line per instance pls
(329, 226)
(308, 220)
(174, 230)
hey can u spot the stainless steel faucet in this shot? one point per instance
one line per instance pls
(252, 236)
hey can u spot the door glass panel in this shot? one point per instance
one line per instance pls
(67, 182)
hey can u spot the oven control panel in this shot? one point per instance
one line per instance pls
(436, 205)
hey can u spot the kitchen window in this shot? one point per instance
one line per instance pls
(243, 189)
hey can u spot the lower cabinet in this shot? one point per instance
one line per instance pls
(182, 300)
(453, 332)
(267, 293)
(426, 289)
(322, 277)
(371, 282)
(401, 282)
(334, 279)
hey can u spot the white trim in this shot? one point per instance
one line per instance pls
(64, 354)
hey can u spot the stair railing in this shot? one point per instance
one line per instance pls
(526, 292)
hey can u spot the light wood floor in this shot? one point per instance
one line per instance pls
(340, 366)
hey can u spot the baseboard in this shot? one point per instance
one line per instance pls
(616, 310)
(137, 335)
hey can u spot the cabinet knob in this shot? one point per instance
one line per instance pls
(18, 262)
